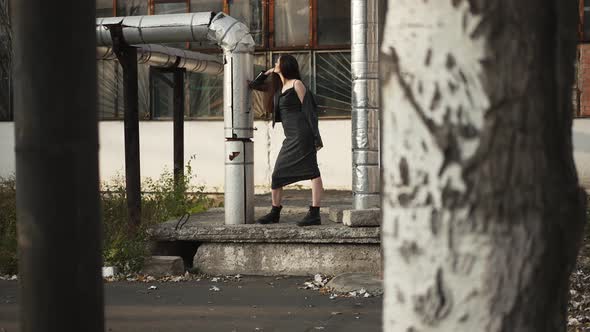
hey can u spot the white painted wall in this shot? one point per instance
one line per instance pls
(581, 139)
(205, 140)
(7, 165)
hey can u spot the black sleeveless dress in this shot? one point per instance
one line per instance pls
(297, 159)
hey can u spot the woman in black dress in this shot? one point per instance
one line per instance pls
(293, 105)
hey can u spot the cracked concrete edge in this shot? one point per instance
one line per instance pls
(362, 218)
(335, 212)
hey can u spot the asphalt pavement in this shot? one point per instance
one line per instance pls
(248, 304)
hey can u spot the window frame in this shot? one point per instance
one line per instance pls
(265, 20)
(268, 20)
(268, 47)
(313, 28)
(581, 6)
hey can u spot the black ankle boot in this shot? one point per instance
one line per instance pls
(312, 217)
(272, 217)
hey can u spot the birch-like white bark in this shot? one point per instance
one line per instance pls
(468, 220)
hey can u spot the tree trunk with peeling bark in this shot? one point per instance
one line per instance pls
(482, 211)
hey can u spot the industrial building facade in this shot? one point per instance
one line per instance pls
(316, 32)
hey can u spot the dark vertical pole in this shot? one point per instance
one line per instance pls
(56, 136)
(178, 127)
(128, 58)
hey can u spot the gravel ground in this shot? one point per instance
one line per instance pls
(579, 305)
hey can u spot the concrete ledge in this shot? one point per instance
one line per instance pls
(335, 212)
(159, 266)
(209, 227)
(287, 259)
(362, 218)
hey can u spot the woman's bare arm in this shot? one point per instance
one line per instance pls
(300, 90)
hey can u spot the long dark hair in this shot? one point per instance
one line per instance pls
(290, 70)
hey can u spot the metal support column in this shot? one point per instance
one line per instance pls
(56, 148)
(178, 115)
(239, 148)
(127, 57)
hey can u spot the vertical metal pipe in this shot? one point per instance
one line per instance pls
(237, 115)
(239, 129)
(178, 117)
(239, 192)
(365, 104)
(56, 136)
(128, 58)
(238, 46)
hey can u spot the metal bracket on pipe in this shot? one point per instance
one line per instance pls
(119, 43)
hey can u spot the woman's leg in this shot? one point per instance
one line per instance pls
(277, 196)
(313, 216)
(317, 189)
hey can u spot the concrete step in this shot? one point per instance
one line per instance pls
(296, 259)
(277, 249)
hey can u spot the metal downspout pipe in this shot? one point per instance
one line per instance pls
(365, 104)
(238, 46)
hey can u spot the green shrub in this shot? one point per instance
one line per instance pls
(160, 201)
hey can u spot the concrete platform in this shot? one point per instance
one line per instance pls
(209, 226)
(277, 249)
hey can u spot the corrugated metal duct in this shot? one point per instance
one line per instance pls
(365, 104)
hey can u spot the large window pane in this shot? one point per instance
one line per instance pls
(5, 64)
(206, 6)
(111, 92)
(169, 7)
(132, 7)
(162, 94)
(304, 61)
(291, 20)
(108, 89)
(5, 95)
(205, 95)
(104, 8)
(333, 83)
(143, 91)
(250, 12)
(259, 97)
(333, 22)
